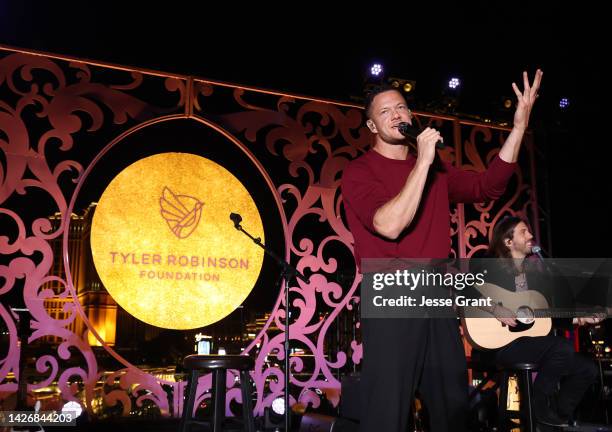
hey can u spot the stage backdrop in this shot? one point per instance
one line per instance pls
(68, 127)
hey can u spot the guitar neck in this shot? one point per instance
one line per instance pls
(571, 312)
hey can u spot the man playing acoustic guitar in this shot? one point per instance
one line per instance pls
(559, 365)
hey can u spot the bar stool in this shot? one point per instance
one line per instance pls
(523, 372)
(197, 365)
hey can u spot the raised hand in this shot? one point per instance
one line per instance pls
(526, 99)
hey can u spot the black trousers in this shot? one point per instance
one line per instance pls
(401, 355)
(559, 364)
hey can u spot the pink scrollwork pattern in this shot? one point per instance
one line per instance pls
(36, 166)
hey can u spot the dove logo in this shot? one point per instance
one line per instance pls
(181, 212)
(163, 246)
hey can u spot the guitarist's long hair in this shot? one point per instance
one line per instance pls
(504, 230)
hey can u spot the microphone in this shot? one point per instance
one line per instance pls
(537, 250)
(236, 218)
(412, 131)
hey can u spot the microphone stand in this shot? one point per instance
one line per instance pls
(288, 272)
(537, 251)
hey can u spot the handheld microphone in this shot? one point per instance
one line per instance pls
(412, 131)
(236, 218)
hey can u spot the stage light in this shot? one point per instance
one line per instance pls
(504, 106)
(376, 70)
(278, 406)
(406, 86)
(73, 408)
(454, 83)
(449, 100)
(376, 78)
(274, 416)
(564, 103)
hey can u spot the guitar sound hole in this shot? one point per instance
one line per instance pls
(520, 327)
(525, 315)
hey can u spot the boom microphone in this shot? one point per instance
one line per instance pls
(236, 218)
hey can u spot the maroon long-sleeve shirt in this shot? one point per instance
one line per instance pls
(372, 180)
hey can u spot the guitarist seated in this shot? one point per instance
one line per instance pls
(559, 363)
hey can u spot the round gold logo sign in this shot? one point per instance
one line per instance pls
(164, 246)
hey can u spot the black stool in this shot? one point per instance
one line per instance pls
(197, 365)
(523, 372)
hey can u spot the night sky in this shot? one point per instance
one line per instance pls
(308, 50)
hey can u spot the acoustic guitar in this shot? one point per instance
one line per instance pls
(533, 316)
